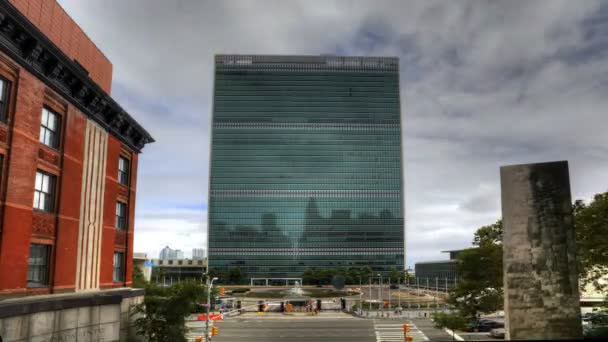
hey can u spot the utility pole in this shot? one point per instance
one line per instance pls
(207, 337)
(380, 291)
(399, 291)
(370, 290)
(360, 296)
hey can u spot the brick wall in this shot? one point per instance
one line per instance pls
(23, 154)
(50, 18)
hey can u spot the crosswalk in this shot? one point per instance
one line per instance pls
(393, 332)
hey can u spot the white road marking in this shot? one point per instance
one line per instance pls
(394, 332)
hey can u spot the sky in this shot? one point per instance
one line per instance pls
(483, 84)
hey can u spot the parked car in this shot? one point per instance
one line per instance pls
(394, 286)
(497, 333)
(484, 325)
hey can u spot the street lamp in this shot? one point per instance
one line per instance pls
(360, 296)
(208, 308)
(380, 291)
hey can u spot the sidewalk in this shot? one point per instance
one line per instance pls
(405, 314)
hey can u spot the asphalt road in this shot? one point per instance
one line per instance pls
(293, 330)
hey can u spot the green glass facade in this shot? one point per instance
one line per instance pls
(305, 165)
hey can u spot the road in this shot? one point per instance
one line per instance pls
(336, 327)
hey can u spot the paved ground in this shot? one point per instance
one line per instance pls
(327, 326)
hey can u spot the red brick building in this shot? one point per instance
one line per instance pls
(68, 158)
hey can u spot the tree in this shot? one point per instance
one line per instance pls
(479, 287)
(161, 317)
(591, 225)
(338, 281)
(235, 276)
(139, 281)
(489, 235)
(452, 321)
(395, 275)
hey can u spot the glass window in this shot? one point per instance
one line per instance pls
(123, 171)
(38, 265)
(49, 128)
(121, 215)
(44, 192)
(4, 95)
(118, 274)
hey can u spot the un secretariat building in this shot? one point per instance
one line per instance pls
(305, 165)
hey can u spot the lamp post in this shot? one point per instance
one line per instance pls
(399, 292)
(360, 296)
(208, 308)
(380, 291)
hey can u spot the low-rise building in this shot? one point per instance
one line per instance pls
(171, 271)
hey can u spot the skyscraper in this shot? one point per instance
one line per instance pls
(305, 165)
(198, 253)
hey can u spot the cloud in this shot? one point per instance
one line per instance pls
(483, 84)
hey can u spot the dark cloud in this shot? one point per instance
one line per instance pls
(483, 84)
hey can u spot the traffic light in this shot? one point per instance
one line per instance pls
(214, 331)
(406, 328)
(222, 290)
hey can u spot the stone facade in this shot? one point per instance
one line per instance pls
(96, 316)
(540, 275)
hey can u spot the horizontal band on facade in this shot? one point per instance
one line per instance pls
(304, 193)
(306, 250)
(311, 126)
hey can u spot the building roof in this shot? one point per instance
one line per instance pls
(437, 262)
(306, 63)
(35, 52)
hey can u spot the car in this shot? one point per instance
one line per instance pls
(394, 286)
(484, 325)
(497, 333)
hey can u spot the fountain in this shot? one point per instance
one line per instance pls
(296, 290)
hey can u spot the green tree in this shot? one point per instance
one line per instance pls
(452, 321)
(338, 281)
(139, 282)
(591, 225)
(161, 317)
(235, 276)
(395, 275)
(489, 235)
(479, 287)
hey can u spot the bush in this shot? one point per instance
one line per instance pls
(161, 317)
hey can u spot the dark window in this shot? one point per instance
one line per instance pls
(118, 267)
(121, 215)
(4, 95)
(44, 192)
(123, 171)
(38, 265)
(49, 128)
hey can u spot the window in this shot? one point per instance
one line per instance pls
(118, 267)
(38, 265)
(49, 128)
(44, 192)
(123, 170)
(121, 215)
(4, 95)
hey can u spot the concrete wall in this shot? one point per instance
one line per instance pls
(540, 275)
(97, 316)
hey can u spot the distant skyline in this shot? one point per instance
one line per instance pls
(483, 84)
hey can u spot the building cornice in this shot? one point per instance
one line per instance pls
(306, 63)
(29, 47)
